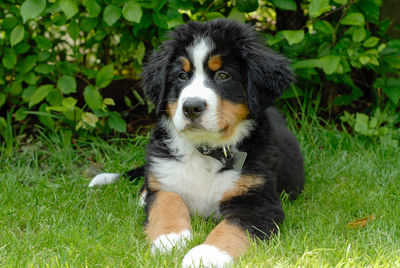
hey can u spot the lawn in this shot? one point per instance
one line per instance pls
(48, 216)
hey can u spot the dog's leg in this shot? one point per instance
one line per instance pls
(168, 222)
(245, 216)
(225, 243)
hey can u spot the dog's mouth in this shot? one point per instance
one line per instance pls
(199, 127)
(193, 126)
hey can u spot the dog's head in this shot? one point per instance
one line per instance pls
(209, 78)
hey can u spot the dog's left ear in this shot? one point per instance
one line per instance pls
(154, 75)
(268, 74)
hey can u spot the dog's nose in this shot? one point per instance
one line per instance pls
(193, 108)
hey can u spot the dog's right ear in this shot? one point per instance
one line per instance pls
(154, 76)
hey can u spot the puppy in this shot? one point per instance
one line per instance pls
(218, 150)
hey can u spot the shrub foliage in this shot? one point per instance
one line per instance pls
(59, 56)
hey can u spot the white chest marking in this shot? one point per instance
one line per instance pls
(196, 180)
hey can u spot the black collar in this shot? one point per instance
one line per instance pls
(222, 154)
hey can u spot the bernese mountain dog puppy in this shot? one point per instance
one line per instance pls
(219, 149)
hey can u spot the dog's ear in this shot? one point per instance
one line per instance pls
(154, 76)
(268, 74)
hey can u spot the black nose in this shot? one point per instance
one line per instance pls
(193, 108)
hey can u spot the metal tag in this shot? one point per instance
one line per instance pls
(239, 159)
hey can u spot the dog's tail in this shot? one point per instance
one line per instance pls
(108, 178)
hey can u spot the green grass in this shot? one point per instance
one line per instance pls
(48, 216)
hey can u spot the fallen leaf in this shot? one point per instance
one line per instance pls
(361, 222)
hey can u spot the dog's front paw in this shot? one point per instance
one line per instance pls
(165, 243)
(208, 256)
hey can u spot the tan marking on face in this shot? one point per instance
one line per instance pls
(167, 214)
(215, 63)
(171, 108)
(242, 186)
(153, 183)
(185, 64)
(230, 115)
(229, 238)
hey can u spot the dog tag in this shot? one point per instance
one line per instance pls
(239, 158)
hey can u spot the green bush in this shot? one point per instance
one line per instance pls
(59, 56)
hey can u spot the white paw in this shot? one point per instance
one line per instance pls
(165, 243)
(208, 256)
(104, 178)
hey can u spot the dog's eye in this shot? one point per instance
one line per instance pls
(221, 75)
(183, 76)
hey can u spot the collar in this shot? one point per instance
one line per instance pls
(225, 155)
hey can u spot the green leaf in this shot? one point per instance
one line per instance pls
(16, 88)
(27, 64)
(293, 37)
(371, 42)
(212, 15)
(67, 84)
(132, 11)
(9, 58)
(311, 63)
(28, 93)
(88, 24)
(393, 61)
(342, 2)
(355, 18)
(359, 34)
(40, 94)
(73, 30)
(30, 79)
(138, 97)
(140, 51)
(361, 125)
(90, 119)
(318, 7)
(247, 5)
(330, 63)
(116, 122)
(44, 68)
(69, 7)
(172, 23)
(285, 4)
(111, 14)
(20, 114)
(32, 8)
(161, 20)
(93, 98)
(364, 59)
(54, 97)
(392, 90)
(43, 43)
(109, 101)
(17, 34)
(22, 48)
(237, 15)
(3, 98)
(324, 27)
(45, 117)
(105, 76)
(9, 23)
(92, 7)
(43, 55)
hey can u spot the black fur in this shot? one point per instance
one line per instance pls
(258, 77)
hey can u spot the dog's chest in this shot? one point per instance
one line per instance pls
(196, 178)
